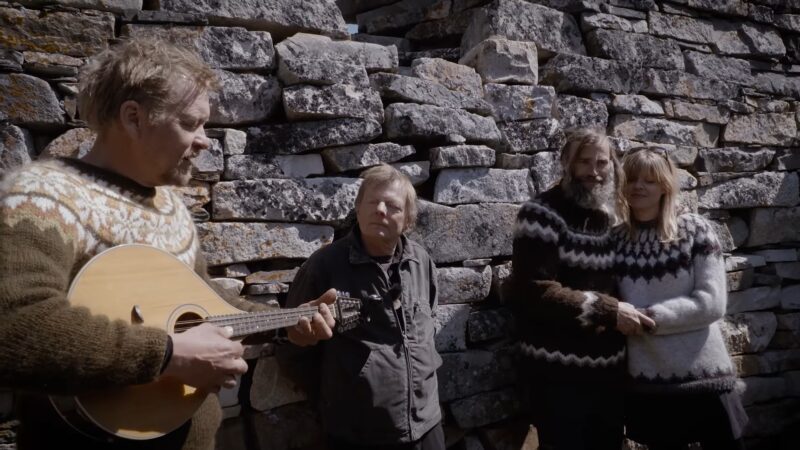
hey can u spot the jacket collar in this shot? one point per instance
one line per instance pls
(359, 255)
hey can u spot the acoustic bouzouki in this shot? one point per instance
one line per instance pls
(146, 286)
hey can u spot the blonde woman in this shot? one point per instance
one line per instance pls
(670, 267)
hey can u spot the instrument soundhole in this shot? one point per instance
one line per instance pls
(188, 320)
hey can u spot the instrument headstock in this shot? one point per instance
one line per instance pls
(347, 310)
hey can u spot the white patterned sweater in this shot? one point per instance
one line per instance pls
(681, 284)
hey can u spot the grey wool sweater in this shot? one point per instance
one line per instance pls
(681, 284)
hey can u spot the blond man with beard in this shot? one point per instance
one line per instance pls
(148, 102)
(570, 325)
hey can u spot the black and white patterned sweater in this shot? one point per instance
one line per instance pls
(562, 292)
(682, 286)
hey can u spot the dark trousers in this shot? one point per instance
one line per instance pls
(431, 440)
(577, 417)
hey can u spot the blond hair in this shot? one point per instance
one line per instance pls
(383, 175)
(577, 140)
(156, 74)
(653, 162)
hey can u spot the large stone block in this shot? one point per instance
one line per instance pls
(417, 172)
(677, 109)
(769, 362)
(735, 159)
(279, 17)
(30, 102)
(637, 105)
(773, 225)
(583, 74)
(532, 135)
(249, 167)
(51, 64)
(412, 121)
(74, 143)
(243, 98)
(790, 298)
(577, 112)
(67, 32)
(489, 324)
(635, 48)
(651, 129)
(451, 328)
(228, 48)
(317, 72)
(748, 332)
(726, 69)
(778, 84)
(466, 231)
(446, 29)
(519, 102)
(760, 190)
(416, 90)
(400, 15)
(468, 373)
(304, 46)
(361, 156)
(16, 148)
(762, 129)
(458, 186)
(682, 84)
(208, 163)
(462, 156)
(227, 243)
(762, 389)
(754, 299)
(596, 20)
(327, 200)
(553, 31)
(456, 77)
(298, 137)
(499, 60)
(485, 408)
(463, 284)
(330, 102)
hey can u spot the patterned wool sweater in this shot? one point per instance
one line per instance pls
(681, 285)
(562, 291)
(54, 217)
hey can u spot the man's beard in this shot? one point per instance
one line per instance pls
(180, 175)
(601, 196)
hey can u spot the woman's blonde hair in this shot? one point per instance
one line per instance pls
(383, 175)
(653, 162)
(577, 140)
(156, 74)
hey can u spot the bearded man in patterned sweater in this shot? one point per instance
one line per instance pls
(569, 323)
(148, 102)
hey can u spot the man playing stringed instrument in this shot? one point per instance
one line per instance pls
(148, 102)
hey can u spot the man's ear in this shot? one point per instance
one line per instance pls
(131, 117)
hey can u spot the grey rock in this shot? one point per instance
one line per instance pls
(227, 243)
(778, 254)
(583, 74)
(463, 284)
(74, 143)
(485, 408)
(16, 147)
(361, 156)
(326, 200)
(352, 7)
(298, 70)
(762, 389)
(788, 270)
(247, 167)
(451, 327)
(418, 172)
(740, 280)
(466, 231)
(760, 190)
(499, 60)
(519, 102)
(102, 5)
(30, 102)
(458, 186)
(748, 332)
(416, 90)
(462, 156)
(788, 321)
(65, 32)
(635, 48)
(735, 159)
(456, 77)
(322, 49)
(762, 129)
(51, 65)
(231, 286)
(228, 48)
(637, 105)
(208, 163)
(402, 44)
(451, 54)
(402, 14)
(790, 22)
(725, 239)
(271, 388)
(779, 84)
(473, 371)
(677, 109)
(771, 419)
(733, 7)
(11, 60)
(298, 137)
(739, 231)
(488, 325)
(195, 196)
(753, 299)
(447, 28)
(786, 159)
(553, 31)
(532, 135)
(768, 362)
(279, 17)
(545, 170)
(233, 141)
(576, 112)
(236, 270)
(726, 69)
(595, 20)
(267, 289)
(501, 274)
(661, 130)
(406, 120)
(790, 298)
(682, 84)
(243, 98)
(329, 102)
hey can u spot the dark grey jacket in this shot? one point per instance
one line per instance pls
(374, 384)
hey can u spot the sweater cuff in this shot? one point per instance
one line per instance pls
(167, 354)
(598, 311)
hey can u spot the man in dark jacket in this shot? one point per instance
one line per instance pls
(375, 385)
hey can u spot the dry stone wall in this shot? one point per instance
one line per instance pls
(470, 98)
